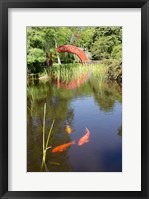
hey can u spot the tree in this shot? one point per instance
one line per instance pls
(117, 52)
(42, 41)
(35, 57)
(104, 41)
(97, 42)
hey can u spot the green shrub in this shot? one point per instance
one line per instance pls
(117, 52)
(35, 59)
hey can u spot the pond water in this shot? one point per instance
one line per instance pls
(84, 103)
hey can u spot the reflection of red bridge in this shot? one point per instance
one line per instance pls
(75, 50)
(73, 84)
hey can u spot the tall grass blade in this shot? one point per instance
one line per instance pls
(49, 135)
(45, 146)
(44, 119)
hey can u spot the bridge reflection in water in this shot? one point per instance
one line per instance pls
(72, 84)
(83, 102)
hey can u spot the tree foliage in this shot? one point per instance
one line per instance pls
(105, 39)
(97, 42)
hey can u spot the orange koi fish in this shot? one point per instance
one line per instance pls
(85, 138)
(68, 129)
(62, 147)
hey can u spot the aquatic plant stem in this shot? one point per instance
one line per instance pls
(43, 159)
(49, 135)
(45, 147)
(44, 119)
(43, 136)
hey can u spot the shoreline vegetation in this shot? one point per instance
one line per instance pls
(102, 46)
(107, 70)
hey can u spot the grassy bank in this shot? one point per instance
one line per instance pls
(107, 69)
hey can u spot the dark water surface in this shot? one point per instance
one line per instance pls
(85, 103)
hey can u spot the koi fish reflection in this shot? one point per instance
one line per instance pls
(62, 147)
(85, 138)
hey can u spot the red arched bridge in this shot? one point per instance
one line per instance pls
(74, 50)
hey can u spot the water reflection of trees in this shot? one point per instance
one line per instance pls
(106, 93)
(58, 101)
(58, 109)
(120, 131)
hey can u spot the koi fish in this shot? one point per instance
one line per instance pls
(62, 147)
(68, 129)
(85, 138)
